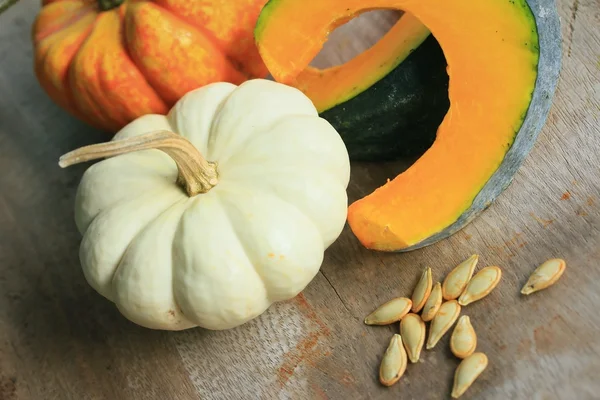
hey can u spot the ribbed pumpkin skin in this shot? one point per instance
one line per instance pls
(110, 67)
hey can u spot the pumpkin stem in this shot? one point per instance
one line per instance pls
(196, 174)
(106, 5)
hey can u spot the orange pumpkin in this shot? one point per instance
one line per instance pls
(110, 61)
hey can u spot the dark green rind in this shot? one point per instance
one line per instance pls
(549, 65)
(380, 74)
(398, 116)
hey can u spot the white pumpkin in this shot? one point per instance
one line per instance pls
(172, 260)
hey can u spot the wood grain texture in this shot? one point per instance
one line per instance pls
(61, 340)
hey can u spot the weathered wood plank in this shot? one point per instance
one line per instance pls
(60, 340)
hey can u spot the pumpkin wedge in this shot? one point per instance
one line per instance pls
(404, 74)
(332, 86)
(500, 90)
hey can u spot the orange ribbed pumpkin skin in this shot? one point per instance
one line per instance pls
(110, 67)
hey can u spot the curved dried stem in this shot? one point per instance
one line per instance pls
(196, 174)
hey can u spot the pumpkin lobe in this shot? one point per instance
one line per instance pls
(173, 55)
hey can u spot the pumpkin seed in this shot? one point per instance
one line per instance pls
(433, 303)
(545, 275)
(390, 312)
(480, 285)
(467, 371)
(464, 339)
(393, 363)
(457, 279)
(422, 290)
(412, 330)
(443, 320)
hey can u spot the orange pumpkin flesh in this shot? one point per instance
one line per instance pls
(491, 47)
(110, 67)
(332, 86)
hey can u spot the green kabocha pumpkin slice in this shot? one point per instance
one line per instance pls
(500, 90)
(403, 74)
(329, 87)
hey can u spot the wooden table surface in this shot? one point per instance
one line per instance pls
(61, 340)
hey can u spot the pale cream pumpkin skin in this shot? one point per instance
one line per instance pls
(221, 258)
